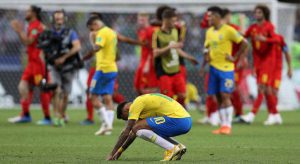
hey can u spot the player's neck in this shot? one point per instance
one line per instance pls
(32, 20)
(260, 22)
(218, 26)
(166, 29)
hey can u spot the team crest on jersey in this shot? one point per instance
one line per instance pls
(228, 83)
(99, 39)
(220, 37)
(34, 32)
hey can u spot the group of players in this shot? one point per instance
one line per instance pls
(158, 117)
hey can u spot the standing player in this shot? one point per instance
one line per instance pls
(145, 80)
(117, 97)
(166, 50)
(211, 104)
(280, 47)
(238, 69)
(155, 118)
(219, 40)
(35, 69)
(263, 38)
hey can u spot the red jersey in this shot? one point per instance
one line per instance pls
(279, 47)
(261, 49)
(33, 31)
(145, 35)
(235, 47)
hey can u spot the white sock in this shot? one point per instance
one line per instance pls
(111, 115)
(102, 113)
(150, 136)
(223, 117)
(229, 115)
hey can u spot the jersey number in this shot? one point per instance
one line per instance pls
(174, 61)
(159, 120)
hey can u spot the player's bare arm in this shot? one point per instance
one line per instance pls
(288, 62)
(76, 47)
(91, 53)
(240, 53)
(18, 28)
(187, 56)
(122, 138)
(127, 143)
(128, 40)
(160, 51)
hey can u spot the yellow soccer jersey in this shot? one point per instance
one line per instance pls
(220, 43)
(155, 104)
(106, 38)
(191, 93)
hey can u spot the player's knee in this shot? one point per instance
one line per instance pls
(137, 127)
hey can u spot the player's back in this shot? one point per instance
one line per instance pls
(156, 104)
(106, 57)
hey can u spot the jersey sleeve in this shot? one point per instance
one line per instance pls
(234, 35)
(135, 109)
(206, 42)
(34, 32)
(74, 36)
(248, 32)
(100, 39)
(154, 39)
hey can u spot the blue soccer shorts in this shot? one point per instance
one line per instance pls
(220, 81)
(169, 127)
(103, 83)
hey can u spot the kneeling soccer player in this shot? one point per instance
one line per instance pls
(155, 118)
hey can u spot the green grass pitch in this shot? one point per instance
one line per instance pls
(29, 143)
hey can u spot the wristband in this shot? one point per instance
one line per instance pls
(120, 150)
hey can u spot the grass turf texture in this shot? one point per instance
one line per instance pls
(31, 143)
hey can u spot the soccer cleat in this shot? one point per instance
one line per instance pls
(249, 118)
(59, 122)
(225, 130)
(86, 122)
(171, 155)
(218, 131)
(204, 120)
(182, 151)
(214, 119)
(273, 119)
(44, 122)
(104, 130)
(278, 119)
(20, 119)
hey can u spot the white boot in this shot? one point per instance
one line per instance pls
(214, 119)
(270, 120)
(278, 119)
(249, 118)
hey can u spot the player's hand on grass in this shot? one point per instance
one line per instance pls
(116, 156)
(16, 25)
(109, 157)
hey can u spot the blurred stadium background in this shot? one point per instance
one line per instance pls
(121, 15)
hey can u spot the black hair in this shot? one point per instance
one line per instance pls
(169, 13)
(38, 11)
(226, 12)
(120, 109)
(160, 10)
(92, 14)
(216, 9)
(91, 20)
(265, 10)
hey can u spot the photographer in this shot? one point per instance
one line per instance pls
(62, 69)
